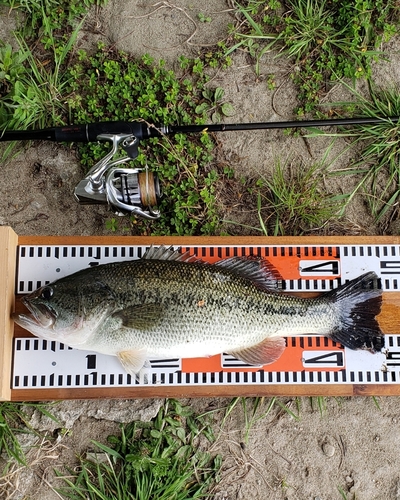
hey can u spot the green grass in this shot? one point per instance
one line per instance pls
(327, 39)
(11, 417)
(254, 410)
(294, 201)
(37, 99)
(45, 18)
(13, 422)
(377, 168)
(159, 460)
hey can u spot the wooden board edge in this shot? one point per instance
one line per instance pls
(8, 260)
(325, 390)
(210, 240)
(183, 392)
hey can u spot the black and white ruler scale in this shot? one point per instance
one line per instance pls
(310, 365)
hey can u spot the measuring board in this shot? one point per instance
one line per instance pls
(310, 365)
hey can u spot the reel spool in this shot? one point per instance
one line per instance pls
(133, 192)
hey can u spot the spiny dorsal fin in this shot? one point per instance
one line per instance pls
(169, 253)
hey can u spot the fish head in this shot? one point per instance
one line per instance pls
(64, 311)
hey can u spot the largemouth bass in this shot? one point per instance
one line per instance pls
(169, 304)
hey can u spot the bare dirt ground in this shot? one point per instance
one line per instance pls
(354, 445)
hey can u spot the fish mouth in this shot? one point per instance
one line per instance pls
(41, 314)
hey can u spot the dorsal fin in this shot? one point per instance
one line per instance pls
(169, 253)
(256, 269)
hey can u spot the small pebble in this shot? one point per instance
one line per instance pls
(328, 449)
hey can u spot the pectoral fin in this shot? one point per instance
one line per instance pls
(140, 316)
(265, 353)
(133, 360)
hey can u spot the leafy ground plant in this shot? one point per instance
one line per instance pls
(45, 17)
(114, 86)
(213, 104)
(149, 461)
(328, 39)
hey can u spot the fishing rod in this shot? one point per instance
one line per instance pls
(136, 191)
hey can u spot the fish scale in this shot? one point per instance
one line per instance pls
(168, 305)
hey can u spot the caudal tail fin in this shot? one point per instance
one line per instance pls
(359, 302)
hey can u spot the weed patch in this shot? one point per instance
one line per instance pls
(328, 39)
(158, 460)
(377, 168)
(113, 86)
(14, 421)
(294, 201)
(45, 18)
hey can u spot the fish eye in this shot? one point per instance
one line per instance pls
(47, 293)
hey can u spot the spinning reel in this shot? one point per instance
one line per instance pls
(128, 191)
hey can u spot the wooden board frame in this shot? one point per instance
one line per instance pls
(8, 260)
(390, 319)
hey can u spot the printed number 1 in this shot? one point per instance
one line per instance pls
(91, 361)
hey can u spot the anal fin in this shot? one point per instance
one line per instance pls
(264, 353)
(133, 360)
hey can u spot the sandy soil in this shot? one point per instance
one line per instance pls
(354, 445)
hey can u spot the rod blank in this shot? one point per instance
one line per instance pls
(89, 132)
